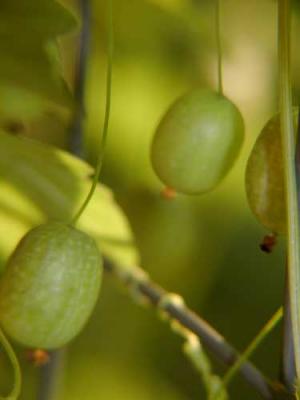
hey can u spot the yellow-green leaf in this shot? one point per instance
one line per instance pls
(39, 182)
(32, 18)
(28, 54)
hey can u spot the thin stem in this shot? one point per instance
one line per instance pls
(51, 376)
(219, 46)
(288, 370)
(80, 78)
(15, 393)
(106, 116)
(144, 289)
(288, 145)
(263, 333)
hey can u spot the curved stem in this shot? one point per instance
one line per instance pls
(15, 393)
(106, 116)
(288, 145)
(219, 46)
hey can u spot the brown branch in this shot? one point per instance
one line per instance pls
(76, 128)
(49, 374)
(143, 287)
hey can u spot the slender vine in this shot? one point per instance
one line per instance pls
(219, 46)
(262, 334)
(110, 48)
(288, 145)
(15, 392)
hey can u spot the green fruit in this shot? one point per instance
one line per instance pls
(197, 141)
(50, 286)
(265, 177)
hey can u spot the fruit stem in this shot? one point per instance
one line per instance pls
(288, 145)
(110, 48)
(219, 46)
(15, 393)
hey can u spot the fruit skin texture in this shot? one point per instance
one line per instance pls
(264, 177)
(50, 286)
(197, 141)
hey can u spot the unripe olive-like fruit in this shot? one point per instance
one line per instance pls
(197, 141)
(50, 286)
(265, 177)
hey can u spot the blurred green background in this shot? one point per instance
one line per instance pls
(204, 248)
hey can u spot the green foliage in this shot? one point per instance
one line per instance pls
(184, 244)
(35, 19)
(30, 67)
(51, 184)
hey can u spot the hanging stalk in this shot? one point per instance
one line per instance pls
(288, 369)
(76, 127)
(219, 46)
(110, 50)
(288, 146)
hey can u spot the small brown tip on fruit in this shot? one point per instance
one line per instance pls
(268, 243)
(38, 357)
(168, 193)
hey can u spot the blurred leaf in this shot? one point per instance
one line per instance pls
(19, 104)
(38, 182)
(32, 18)
(110, 380)
(172, 6)
(28, 52)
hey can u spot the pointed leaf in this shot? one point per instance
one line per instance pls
(32, 18)
(28, 49)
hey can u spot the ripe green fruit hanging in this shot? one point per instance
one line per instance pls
(265, 177)
(50, 286)
(197, 141)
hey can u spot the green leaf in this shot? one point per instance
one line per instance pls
(35, 19)
(39, 182)
(31, 71)
(29, 53)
